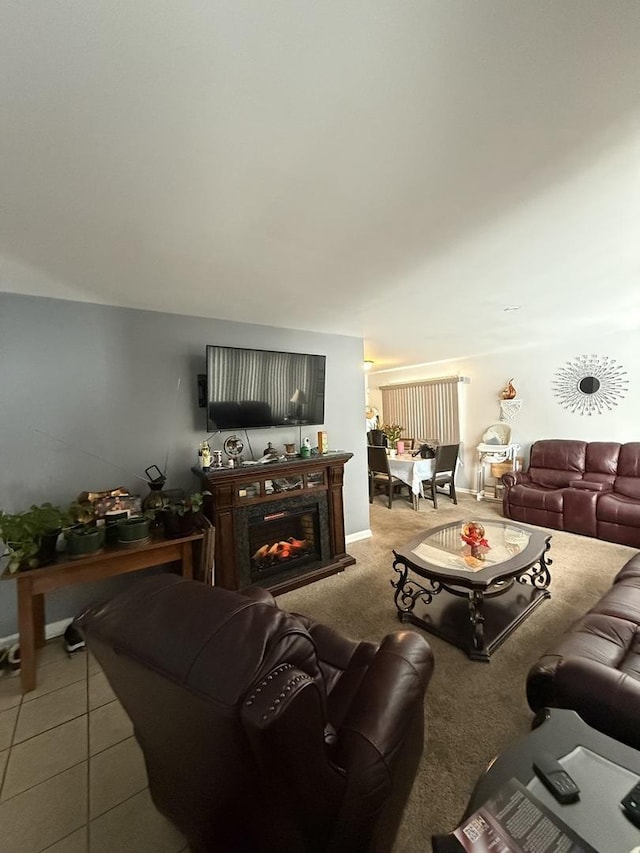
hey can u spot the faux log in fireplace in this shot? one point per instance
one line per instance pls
(278, 524)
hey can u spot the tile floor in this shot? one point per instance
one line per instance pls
(72, 775)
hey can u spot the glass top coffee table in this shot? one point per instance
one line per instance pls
(472, 591)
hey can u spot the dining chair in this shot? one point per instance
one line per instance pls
(380, 476)
(444, 472)
(377, 438)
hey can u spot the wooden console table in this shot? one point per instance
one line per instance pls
(34, 583)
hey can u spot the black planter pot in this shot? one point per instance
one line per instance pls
(48, 547)
(178, 525)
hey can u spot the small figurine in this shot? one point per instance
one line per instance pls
(270, 451)
(508, 392)
(205, 455)
(305, 448)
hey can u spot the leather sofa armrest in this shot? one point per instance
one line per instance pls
(283, 716)
(591, 486)
(513, 478)
(605, 698)
(541, 682)
(394, 684)
(259, 593)
(380, 742)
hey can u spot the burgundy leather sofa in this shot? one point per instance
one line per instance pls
(263, 730)
(594, 667)
(591, 488)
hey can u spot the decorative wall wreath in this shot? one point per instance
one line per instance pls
(589, 384)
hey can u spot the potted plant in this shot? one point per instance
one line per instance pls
(30, 537)
(84, 540)
(393, 433)
(134, 530)
(179, 517)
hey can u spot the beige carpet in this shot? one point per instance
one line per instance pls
(473, 709)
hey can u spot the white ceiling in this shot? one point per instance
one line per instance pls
(400, 171)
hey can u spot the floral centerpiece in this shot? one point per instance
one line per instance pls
(392, 432)
(473, 536)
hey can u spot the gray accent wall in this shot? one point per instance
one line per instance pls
(91, 395)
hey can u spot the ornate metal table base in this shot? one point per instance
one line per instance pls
(475, 620)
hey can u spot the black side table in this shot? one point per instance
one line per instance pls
(604, 769)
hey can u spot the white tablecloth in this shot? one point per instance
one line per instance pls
(411, 471)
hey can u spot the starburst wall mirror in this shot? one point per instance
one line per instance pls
(590, 384)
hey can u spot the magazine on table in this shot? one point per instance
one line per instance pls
(512, 821)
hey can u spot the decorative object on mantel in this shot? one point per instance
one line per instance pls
(589, 384)
(270, 451)
(323, 442)
(305, 448)
(204, 455)
(233, 447)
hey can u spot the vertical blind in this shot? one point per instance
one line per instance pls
(425, 409)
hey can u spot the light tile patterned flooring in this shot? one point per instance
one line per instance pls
(72, 775)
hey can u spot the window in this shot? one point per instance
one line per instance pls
(426, 409)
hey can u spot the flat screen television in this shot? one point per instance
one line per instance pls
(254, 388)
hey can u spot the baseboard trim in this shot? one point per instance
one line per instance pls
(52, 630)
(356, 537)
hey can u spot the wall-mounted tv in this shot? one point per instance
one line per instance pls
(254, 388)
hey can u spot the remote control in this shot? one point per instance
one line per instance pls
(631, 804)
(555, 778)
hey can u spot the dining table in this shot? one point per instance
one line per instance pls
(412, 470)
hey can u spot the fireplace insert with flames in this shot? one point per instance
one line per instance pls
(282, 540)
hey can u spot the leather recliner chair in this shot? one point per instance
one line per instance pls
(263, 730)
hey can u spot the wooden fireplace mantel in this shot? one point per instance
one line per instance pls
(233, 491)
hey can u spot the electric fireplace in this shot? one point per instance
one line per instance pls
(279, 525)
